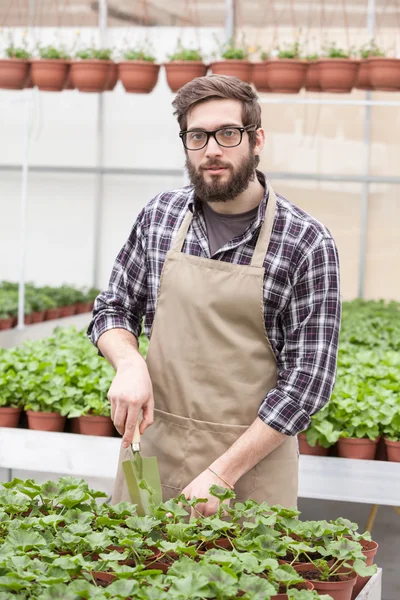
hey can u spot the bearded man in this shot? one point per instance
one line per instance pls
(239, 290)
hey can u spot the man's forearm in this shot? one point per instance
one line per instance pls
(119, 346)
(253, 445)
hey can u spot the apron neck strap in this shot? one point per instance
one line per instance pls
(265, 232)
(263, 237)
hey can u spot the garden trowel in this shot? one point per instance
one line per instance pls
(138, 469)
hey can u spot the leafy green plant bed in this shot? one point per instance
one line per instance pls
(365, 403)
(58, 541)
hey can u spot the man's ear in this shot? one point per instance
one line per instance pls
(260, 141)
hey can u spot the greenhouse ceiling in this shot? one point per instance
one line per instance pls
(209, 13)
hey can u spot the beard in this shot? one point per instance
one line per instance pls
(217, 191)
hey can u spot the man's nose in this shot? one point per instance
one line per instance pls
(213, 148)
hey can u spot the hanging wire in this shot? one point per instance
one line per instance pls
(346, 24)
(7, 12)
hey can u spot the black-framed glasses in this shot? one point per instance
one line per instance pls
(227, 137)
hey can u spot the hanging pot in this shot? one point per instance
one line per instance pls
(234, 68)
(49, 75)
(260, 77)
(180, 72)
(363, 81)
(138, 76)
(306, 448)
(9, 416)
(286, 75)
(384, 73)
(337, 75)
(14, 73)
(112, 77)
(45, 421)
(90, 75)
(312, 83)
(362, 448)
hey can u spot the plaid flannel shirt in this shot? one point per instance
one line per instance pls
(302, 306)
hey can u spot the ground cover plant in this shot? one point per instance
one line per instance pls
(58, 540)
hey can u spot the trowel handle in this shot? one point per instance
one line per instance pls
(136, 439)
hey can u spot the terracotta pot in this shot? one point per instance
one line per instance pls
(312, 77)
(37, 316)
(74, 425)
(369, 550)
(384, 73)
(362, 448)
(286, 75)
(50, 75)
(180, 72)
(9, 416)
(45, 421)
(28, 319)
(6, 323)
(363, 81)
(82, 307)
(339, 590)
(305, 448)
(93, 425)
(68, 83)
(14, 73)
(52, 313)
(90, 75)
(234, 68)
(260, 77)
(67, 311)
(307, 585)
(337, 75)
(103, 576)
(219, 543)
(29, 82)
(112, 77)
(393, 450)
(138, 76)
(14, 321)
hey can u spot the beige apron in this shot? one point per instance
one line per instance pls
(211, 365)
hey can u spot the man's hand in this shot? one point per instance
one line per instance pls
(200, 488)
(130, 392)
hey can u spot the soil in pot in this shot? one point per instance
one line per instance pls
(337, 75)
(50, 75)
(94, 425)
(6, 323)
(180, 72)
(384, 73)
(235, 68)
(369, 549)
(303, 563)
(286, 75)
(260, 77)
(282, 595)
(138, 76)
(363, 81)
(393, 450)
(9, 416)
(14, 73)
(361, 448)
(45, 421)
(339, 586)
(305, 447)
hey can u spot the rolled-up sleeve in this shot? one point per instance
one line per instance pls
(311, 325)
(122, 304)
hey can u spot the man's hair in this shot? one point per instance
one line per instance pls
(213, 87)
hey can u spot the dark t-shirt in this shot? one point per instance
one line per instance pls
(222, 228)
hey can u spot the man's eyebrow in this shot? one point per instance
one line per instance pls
(219, 127)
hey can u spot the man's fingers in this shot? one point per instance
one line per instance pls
(131, 420)
(120, 418)
(148, 415)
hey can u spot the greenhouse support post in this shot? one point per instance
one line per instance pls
(99, 193)
(230, 19)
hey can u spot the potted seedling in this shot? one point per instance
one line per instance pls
(363, 78)
(50, 71)
(312, 77)
(234, 61)
(286, 72)
(10, 404)
(391, 432)
(93, 414)
(337, 70)
(138, 70)
(14, 69)
(183, 65)
(320, 435)
(91, 71)
(384, 72)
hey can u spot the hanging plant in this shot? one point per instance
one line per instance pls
(286, 72)
(92, 70)
(337, 70)
(184, 65)
(260, 73)
(383, 72)
(312, 76)
(235, 61)
(138, 70)
(364, 78)
(14, 70)
(50, 71)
